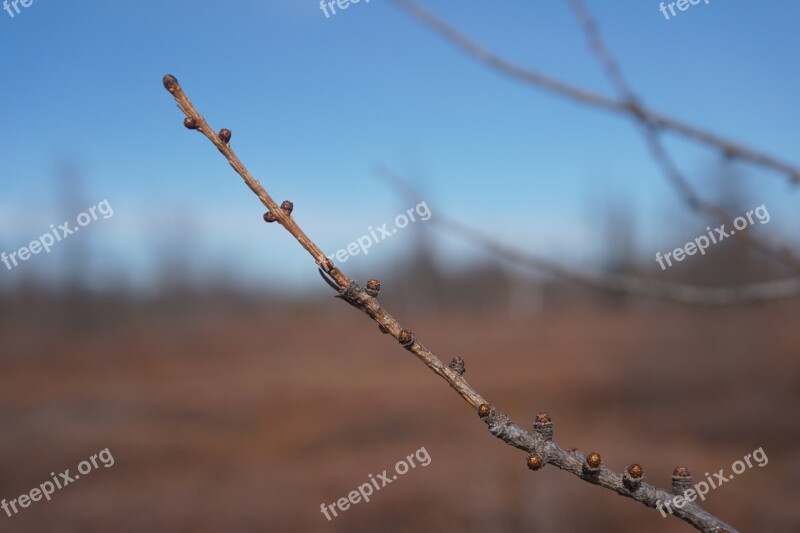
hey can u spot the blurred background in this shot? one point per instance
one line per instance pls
(236, 394)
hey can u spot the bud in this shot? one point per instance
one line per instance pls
(535, 461)
(457, 366)
(373, 287)
(171, 83)
(406, 338)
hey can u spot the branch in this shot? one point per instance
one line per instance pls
(619, 283)
(652, 137)
(541, 449)
(658, 120)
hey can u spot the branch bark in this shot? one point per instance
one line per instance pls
(540, 447)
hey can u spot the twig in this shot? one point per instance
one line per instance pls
(541, 449)
(658, 120)
(601, 281)
(651, 134)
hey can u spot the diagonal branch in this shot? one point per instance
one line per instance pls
(652, 136)
(542, 450)
(619, 283)
(658, 120)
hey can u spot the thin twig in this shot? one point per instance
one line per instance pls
(619, 283)
(658, 120)
(541, 449)
(651, 133)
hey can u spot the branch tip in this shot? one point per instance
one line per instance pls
(171, 83)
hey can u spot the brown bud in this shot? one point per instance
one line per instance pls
(373, 287)
(632, 477)
(593, 461)
(457, 366)
(543, 426)
(535, 461)
(681, 471)
(635, 471)
(190, 123)
(171, 83)
(484, 410)
(406, 338)
(681, 480)
(287, 206)
(224, 135)
(269, 217)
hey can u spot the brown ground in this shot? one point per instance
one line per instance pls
(232, 422)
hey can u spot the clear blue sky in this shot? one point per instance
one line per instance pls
(315, 102)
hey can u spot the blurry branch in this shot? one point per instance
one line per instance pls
(624, 107)
(652, 137)
(619, 283)
(541, 449)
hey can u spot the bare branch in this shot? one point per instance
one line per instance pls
(601, 281)
(652, 137)
(537, 444)
(657, 120)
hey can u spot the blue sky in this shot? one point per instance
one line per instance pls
(314, 103)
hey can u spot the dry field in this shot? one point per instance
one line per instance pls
(249, 421)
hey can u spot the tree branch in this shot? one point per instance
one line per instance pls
(619, 283)
(657, 120)
(652, 136)
(541, 449)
